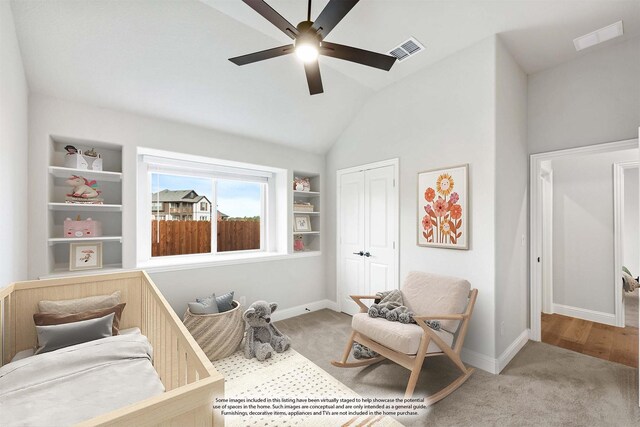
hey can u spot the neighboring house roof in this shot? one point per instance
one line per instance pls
(222, 215)
(177, 196)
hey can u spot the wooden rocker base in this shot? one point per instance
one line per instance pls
(365, 362)
(430, 400)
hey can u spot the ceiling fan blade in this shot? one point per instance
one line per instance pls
(360, 56)
(262, 55)
(331, 15)
(274, 17)
(312, 70)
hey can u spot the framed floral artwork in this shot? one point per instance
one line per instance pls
(443, 211)
(85, 256)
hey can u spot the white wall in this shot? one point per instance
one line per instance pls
(583, 266)
(13, 160)
(511, 199)
(438, 117)
(290, 282)
(631, 234)
(590, 100)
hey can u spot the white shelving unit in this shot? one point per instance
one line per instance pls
(109, 214)
(56, 240)
(56, 206)
(310, 239)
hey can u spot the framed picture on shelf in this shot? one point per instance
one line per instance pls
(443, 211)
(85, 256)
(302, 223)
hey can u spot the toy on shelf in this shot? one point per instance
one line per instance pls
(301, 184)
(82, 228)
(84, 191)
(75, 159)
(298, 243)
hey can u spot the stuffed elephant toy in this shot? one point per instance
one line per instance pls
(262, 338)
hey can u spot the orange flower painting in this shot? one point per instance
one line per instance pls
(443, 198)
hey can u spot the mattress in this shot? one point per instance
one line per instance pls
(77, 383)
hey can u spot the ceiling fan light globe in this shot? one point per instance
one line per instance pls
(307, 52)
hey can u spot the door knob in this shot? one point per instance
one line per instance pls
(367, 254)
(359, 253)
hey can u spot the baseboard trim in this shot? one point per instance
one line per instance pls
(479, 360)
(512, 350)
(585, 314)
(287, 313)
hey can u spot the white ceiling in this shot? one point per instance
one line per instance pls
(169, 58)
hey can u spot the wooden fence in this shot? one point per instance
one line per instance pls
(194, 237)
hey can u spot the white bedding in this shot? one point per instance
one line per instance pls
(76, 383)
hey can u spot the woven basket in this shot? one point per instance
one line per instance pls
(220, 334)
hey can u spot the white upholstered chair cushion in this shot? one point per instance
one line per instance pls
(401, 337)
(432, 294)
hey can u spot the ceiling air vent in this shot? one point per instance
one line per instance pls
(407, 49)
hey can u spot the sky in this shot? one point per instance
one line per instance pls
(235, 198)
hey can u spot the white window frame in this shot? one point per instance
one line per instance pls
(274, 236)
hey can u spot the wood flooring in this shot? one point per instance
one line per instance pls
(606, 342)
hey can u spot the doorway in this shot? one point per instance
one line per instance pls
(367, 231)
(576, 250)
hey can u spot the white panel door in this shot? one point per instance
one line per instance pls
(380, 223)
(351, 235)
(368, 217)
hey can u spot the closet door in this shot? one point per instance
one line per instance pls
(380, 222)
(351, 240)
(367, 233)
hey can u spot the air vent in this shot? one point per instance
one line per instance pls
(407, 49)
(598, 36)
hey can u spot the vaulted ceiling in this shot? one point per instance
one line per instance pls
(168, 59)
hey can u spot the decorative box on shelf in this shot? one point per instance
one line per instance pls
(82, 228)
(302, 207)
(75, 159)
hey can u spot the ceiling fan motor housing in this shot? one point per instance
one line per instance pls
(307, 35)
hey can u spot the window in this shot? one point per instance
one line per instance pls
(211, 210)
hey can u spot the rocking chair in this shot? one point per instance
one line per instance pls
(430, 297)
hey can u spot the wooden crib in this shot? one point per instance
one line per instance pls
(190, 380)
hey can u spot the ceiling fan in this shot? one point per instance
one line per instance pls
(308, 41)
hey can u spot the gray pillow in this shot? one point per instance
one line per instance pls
(74, 306)
(54, 337)
(206, 305)
(225, 302)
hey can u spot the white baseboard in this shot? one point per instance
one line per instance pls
(585, 314)
(512, 350)
(479, 360)
(304, 308)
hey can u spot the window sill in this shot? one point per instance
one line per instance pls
(204, 261)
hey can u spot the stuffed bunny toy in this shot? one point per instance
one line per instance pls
(262, 338)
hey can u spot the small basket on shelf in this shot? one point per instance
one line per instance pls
(219, 334)
(302, 207)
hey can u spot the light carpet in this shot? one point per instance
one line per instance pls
(542, 386)
(287, 376)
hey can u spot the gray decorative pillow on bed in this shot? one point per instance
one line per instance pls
(206, 305)
(225, 302)
(73, 306)
(54, 337)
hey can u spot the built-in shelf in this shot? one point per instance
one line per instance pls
(308, 240)
(62, 172)
(306, 193)
(109, 182)
(55, 240)
(63, 271)
(84, 207)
